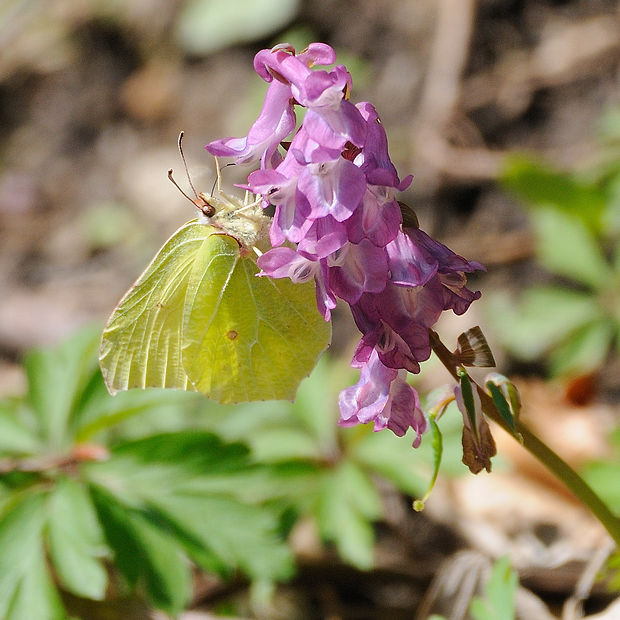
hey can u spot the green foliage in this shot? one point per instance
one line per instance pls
(576, 219)
(499, 594)
(152, 506)
(204, 26)
(603, 475)
(498, 602)
(131, 493)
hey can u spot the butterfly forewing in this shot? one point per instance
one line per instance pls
(141, 343)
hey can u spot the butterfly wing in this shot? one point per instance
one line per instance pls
(198, 318)
(141, 343)
(246, 337)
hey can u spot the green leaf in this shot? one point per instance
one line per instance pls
(164, 462)
(21, 528)
(502, 406)
(603, 476)
(586, 349)
(540, 186)
(500, 590)
(437, 445)
(187, 483)
(222, 534)
(568, 248)
(204, 26)
(543, 318)
(57, 377)
(347, 505)
(16, 438)
(393, 457)
(36, 596)
(316, 405)
(294, 482)
(75, 540)
(103, 411)
(199, 318)
(278, 432)
(144, 554)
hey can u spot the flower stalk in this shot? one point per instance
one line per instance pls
(535, 446)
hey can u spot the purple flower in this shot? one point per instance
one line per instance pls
(337, 221)
(332, 187)
(356, 269)
(410, 264)
(377, 218)
(276, 121)
(451, 270)
(375, 160)
(382, 396)
(284, 262)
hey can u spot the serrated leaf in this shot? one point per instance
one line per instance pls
(75, 540)
(294, 482)
(21, 527)
(348, 503)
(204, 26)
(56, 379)
(164, 463)
(585, 350)
(187, 483)
(566, 247)
(143, 553)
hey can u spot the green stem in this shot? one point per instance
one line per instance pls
(557, 466)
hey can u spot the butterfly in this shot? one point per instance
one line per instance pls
(199, 318)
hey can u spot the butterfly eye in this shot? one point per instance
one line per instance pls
(208, 210)
(204, 206)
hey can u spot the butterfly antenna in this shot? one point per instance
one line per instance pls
(171, 178)
(189, 178)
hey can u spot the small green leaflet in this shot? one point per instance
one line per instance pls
(199, 318)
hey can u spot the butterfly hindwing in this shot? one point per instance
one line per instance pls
(247, 337)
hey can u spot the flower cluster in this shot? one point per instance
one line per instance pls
(333, 189)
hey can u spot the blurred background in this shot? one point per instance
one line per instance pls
(507, 112)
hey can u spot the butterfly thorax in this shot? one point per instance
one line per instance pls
(242, 219)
